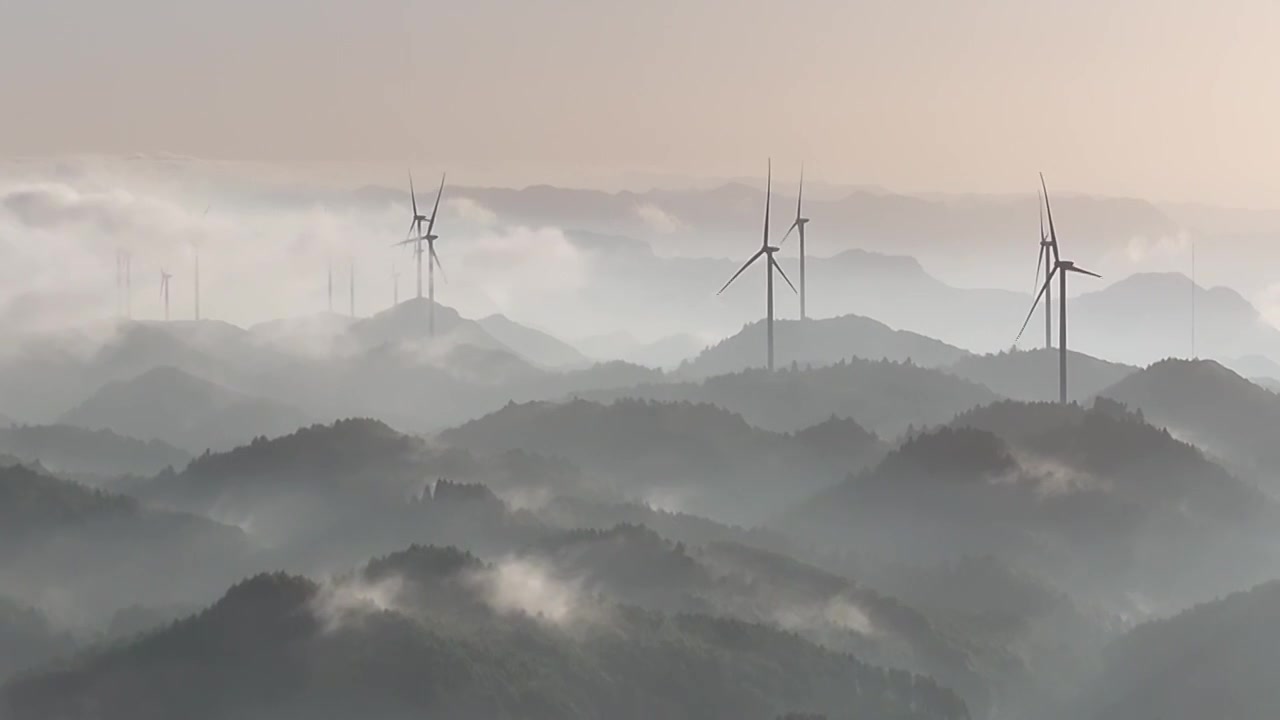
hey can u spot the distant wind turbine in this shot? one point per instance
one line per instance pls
(415, 235)
(395, 286)
(767, 251)
(124, 284)
(798, 225)
(1062, 267)
(433, 260)
(128, 284)
(164, 291)
(1048, 256)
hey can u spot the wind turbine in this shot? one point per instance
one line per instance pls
(119, 283)
(765, 250)
(432, 259)
(1062, 268)
(124, 283)
(164, 291)
(195, 248)
(411, 236)
(128, 284)
(798, 225)
(395, 286)
(1048, 256)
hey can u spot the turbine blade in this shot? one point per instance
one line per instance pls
(413, 196)
(1053, 234)
(742, 269)
(800, 195)
(431, 224)
(409, 233)
(1043, 237)
(1039, 264)
(432, 247)
(1082, 271)
(1043, 289)
(794, 225)
(768, 194)
(784, 275)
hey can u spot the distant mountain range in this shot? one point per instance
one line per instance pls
(1147, 317)
(90, 455)
(171, 406)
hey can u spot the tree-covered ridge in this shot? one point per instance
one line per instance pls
(883, 396)
(94, 549)
(74, 451)
(1207, 404)
(1217, 659)
(280, 646)
(820, 342)
(1031, 375)
(1097, 497)
(708, 459)
(27, 638)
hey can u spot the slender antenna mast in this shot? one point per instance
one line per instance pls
(1194, 355)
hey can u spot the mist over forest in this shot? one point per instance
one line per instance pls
(568, 479)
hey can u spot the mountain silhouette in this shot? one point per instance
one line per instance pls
(1032, 375)
(95, 549)
(168, 404)
(1094, 499)
(1146, 317)
(675, 454)
(884, 397)
(820, 342)
(1206, 404)
(96, 455)
(1213, 660)
(536, 346)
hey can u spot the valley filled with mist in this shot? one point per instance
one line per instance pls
(558, 476)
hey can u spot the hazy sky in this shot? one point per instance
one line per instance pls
(1163, 99)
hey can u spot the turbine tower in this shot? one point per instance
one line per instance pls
(798, 226)
(395, 286)
(128, 284)
(433, 260)
(1062, 268)
(164, 291)
(766, 250)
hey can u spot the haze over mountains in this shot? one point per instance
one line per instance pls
(571, 489)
